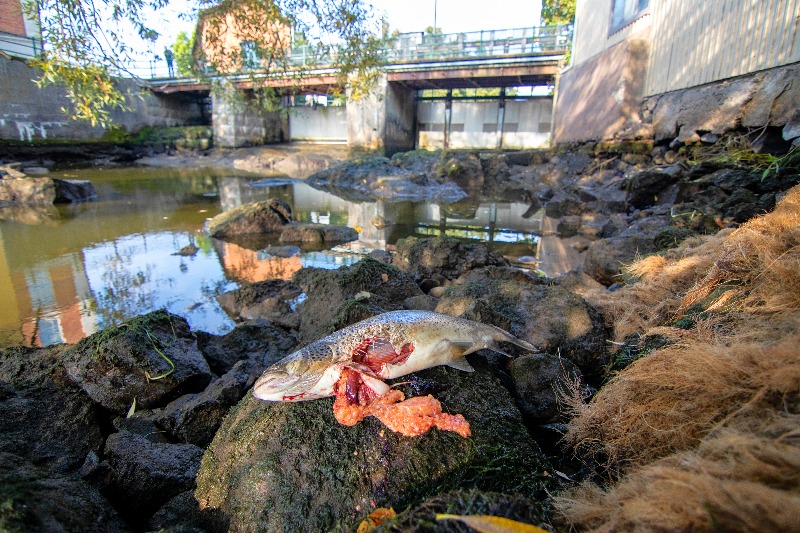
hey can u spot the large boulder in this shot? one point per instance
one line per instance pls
(38, 502)
(269, 299)
(606, 258)
(289, 466)
(442, 258)
(550, 317)
(338, 298)
(317, 233)
(146, 474)
(152, 359)
(44, 191)
(538, 380)
(255, 218)
(43, 416)
(256, 341)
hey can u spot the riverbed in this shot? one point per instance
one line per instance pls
(67, 271)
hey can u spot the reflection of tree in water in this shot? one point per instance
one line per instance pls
(125, 293)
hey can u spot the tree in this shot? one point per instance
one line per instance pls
(558, 11)
(183, 50)
(88, 43)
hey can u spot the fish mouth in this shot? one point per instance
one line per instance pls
(274, 386)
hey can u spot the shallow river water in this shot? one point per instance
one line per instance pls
(67, 271)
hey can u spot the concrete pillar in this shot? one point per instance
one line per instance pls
(241, 122)
(384, 120)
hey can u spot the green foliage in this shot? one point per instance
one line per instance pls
(89, 43)
(185, 64)
(558, 11)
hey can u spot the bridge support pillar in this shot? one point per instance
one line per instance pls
(239, 121)
(383, 120)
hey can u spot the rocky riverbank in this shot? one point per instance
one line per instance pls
(150, 426)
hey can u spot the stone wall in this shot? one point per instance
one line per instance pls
(241, 122)
(770, 98)
(28, 113)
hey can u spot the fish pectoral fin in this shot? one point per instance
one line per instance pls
(458, 349)
(461, 364)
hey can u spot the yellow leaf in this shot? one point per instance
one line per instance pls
(492, 524)
(376, 518)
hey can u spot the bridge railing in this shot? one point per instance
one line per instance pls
(420, 47)
(20, 45)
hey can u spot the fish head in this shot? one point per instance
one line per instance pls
(296, 377)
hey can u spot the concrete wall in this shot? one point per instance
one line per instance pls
(601, 97)
(383, 120)
(318, 124)
(28, 113)
(479, 124)
(240, 122)
(592, 29)
(400, 123)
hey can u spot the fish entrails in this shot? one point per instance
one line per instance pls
(352, 363)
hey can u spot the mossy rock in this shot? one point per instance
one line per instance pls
(153, 358)
(292, 467)
(442, 257)
(253, 218)
(332, 302)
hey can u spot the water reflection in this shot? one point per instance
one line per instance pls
(68, 271)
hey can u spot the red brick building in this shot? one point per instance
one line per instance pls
(19, 34)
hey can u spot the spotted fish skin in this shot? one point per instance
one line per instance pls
(385, 346)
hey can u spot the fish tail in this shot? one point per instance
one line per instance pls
(500, 335)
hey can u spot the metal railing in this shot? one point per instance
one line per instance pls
(406, 48)
(20, 45)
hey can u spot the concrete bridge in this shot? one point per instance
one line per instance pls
(430, 95)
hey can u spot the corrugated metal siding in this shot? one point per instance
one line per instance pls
(693, 43)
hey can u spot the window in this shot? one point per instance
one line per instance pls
(623, 12)
(250, 58)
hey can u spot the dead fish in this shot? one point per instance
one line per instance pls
(385, 346)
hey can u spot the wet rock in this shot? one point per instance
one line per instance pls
(153, 358)
(194, 418)
(653, 187)
(569, 226)
(35, 501)
(190, 250)
(411, 177)
(332, 303)
(146, 474)
(143, 423)
(259, 217)
(44, 191)
(183, 513)
(606, 258)
(537, 380)
(442, 258)
(258, 341)
(563, 204)
(43, 416)
(317, 233)
(292, 467)
(468, 502)
(462, 168)
(282, 251)
(549, 317)
(269, 300)
(424, 302)
(73, 191)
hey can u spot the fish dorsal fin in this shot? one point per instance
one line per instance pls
(458, 349)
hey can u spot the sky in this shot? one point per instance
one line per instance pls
(452, 16)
